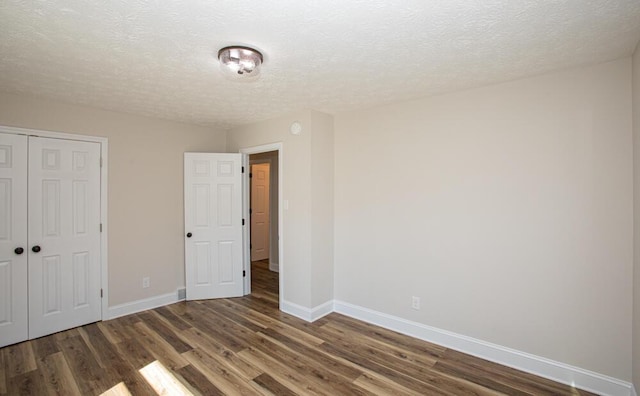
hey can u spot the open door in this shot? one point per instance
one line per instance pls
(213, 225)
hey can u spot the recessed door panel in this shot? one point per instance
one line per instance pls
(81, 284)
(225, 205)
(51, 279)
(213, 225)
(203, 263)
(13, 236)
(80, 207)
(51, 208)
(6, 293)
(225, 258)
(201, 202)
(5, 209)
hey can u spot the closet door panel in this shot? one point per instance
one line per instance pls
(64, 234)
(13, 237)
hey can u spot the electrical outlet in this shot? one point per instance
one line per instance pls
(146, 281)
(415, 302)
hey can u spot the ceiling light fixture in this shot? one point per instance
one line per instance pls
(240, 62)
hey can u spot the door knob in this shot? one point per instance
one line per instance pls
(19, 250)
(189, 235)
(35, 249)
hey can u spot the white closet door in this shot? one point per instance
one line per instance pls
(64, 234)
(213, 225)
(13, 238)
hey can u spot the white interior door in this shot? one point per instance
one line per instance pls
(64, 234)
(213, 225)
(13, 239)
(259, 212)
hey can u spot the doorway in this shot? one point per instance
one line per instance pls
(264, 230)
(271, 270)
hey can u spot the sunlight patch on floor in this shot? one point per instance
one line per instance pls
(162, 381)
(118, 390)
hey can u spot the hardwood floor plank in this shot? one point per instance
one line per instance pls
(394, 376)
(3, 375)
(87, 372)
(136, 353)
(387, 336)
(320, 359)
(19, 359)
(223, 378)
(222, 355)
(379, 386)
(324, 379)
(269, 383)
(284, 374)
(158, 347)
(117, 367)
(169, 334)
(57, 375)
(199, 381)
(172, 318)
(402, 354)
(28, 384)
(44, 346)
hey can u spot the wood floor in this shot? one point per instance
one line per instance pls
(246, 346)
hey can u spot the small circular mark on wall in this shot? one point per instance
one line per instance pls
(296, 128)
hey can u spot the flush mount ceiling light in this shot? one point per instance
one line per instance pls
(240, 62)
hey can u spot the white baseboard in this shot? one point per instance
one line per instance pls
(141, 305)
(560, 372)
(274, 267)
(633, 391)
(308, 314)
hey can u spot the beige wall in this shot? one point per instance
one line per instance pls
(322, 216)
(636, 166)
(508, 209)
(307, 224)
(145, 187)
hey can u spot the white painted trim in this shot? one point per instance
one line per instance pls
(560, 372)
(304, 313)
(142, 305)
(322, 310)
(104, 194)
(279, 147)
(274, 267)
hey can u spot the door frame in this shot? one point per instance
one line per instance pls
(104, 150)
(246, 151)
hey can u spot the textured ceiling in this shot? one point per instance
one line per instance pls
(157, 57)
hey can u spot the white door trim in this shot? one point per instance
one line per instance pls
(104, 150)
(278, 146)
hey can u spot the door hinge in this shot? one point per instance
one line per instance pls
(250, 211)
(100, 227)
(244, 273)
(250, 175)
(242, 221)
(250, 246)
(101, 294)
(243, 169)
